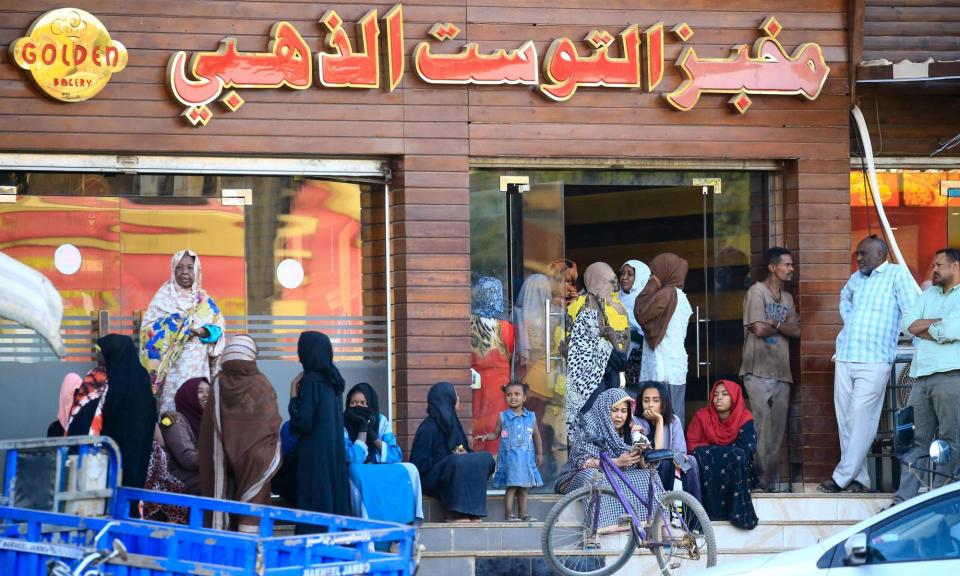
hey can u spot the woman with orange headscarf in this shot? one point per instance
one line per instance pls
(723, 439)
(663, 312)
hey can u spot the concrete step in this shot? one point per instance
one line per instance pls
(516, 537)
(799, 506)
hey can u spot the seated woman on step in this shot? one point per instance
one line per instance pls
(656, 420)
(722, 438)
(606, 428)
(381, 486)
(449, 469)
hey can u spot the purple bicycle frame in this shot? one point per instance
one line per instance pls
(610, 470)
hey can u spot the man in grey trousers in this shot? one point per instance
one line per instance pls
(769, 318)
(935, 397)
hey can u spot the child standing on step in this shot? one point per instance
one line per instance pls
(520, 454)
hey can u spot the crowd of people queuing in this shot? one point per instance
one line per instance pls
(192, 413)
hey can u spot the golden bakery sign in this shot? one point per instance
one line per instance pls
(69, 54)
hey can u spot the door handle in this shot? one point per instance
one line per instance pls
(696, 331)
(548, 332)
(705, 321)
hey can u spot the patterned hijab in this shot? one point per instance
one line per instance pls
(171, 298)
(586, 360)
(488, 298)
(240, 347)
(599, 433)
(641, 276)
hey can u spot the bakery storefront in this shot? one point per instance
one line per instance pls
(357, 168)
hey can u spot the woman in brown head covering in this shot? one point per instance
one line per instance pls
(240, 433)
(663, 312)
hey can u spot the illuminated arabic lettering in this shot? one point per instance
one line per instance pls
(653, 55)
(469, 66)
(346, 68)
(287, 62)
(567, 70)
(770, 71)
(395, 60)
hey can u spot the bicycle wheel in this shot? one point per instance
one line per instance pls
(579, 540)
(681, 535)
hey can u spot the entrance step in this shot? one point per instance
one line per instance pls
(498, 548)
(801, 506)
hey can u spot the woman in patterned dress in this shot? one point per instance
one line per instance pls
(723, 439)
(181, 334)
(606, 428)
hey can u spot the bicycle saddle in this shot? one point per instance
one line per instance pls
(657, 456)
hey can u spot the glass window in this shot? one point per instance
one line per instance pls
(304, 254)
(928, 532)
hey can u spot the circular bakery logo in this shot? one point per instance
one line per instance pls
(70, 54)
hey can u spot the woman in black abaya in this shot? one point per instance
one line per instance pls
(316, 418)
(449, 469)
(129, 408)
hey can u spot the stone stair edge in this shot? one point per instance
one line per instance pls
(539, 553)
(455, 526)
(757, 495)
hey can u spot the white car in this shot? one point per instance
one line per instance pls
(918, 537)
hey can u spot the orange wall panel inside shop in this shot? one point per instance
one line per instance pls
(126, 247)
(918, 213)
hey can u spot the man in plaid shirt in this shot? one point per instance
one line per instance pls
(871, 305)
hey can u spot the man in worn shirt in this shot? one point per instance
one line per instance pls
(769, 318)
(871, 305)
(935, 397)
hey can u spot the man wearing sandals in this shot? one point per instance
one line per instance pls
(872, 303)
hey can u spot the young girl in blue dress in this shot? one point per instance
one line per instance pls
(520, 454)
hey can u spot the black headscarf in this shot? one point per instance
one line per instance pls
(371, 413)
(129, 409)
(316, 355)
(442, 408)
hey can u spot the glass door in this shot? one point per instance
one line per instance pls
(538, 275)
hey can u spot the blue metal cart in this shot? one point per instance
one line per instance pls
(46, 479)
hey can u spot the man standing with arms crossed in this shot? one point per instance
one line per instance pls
(769, 318)
(871, 305)
(935, 397)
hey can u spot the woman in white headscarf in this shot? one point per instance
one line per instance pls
(634, 275)
(181, 336)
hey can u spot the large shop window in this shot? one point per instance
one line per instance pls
(923, 208)
(280, 255)
(526, 225)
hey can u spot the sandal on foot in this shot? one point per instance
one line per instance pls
(857, 488)
(528, 518)
(513, 518)
(829, 486)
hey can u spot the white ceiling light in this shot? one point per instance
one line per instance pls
(67, 259)
(290, 273)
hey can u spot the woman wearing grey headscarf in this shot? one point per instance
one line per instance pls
(240, 433)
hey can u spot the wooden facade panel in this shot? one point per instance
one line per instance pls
(432, 133)
(911, 30)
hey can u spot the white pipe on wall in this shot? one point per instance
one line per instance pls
(874, 187)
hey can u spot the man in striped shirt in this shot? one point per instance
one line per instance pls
(871, 305)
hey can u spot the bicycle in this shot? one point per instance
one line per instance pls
(677, 530)
(91, 564)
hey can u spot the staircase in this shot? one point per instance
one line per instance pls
(499, 548)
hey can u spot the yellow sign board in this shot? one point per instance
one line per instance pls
(70, 54)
